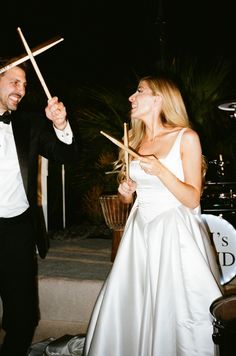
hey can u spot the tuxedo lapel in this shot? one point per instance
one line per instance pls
(22, 140)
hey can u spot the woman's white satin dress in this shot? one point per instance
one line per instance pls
(156, 299)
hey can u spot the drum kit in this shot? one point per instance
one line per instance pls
(219, 195)
(218, 205)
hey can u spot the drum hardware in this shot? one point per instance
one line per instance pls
(231, 107)
(219, 196)
(218, 168)
(220, 165)
(210, 183)
(230, 197)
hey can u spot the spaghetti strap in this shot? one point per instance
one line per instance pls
(176, 145)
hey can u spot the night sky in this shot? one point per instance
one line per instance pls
(106, 39)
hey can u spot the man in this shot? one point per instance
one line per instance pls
(22, 139)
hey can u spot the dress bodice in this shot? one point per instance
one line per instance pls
(152, 196)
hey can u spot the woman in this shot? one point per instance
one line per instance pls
(156, 300)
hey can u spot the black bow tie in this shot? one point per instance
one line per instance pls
(6, 117)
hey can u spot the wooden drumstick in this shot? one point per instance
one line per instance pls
(126, 143)
(130, 151)
(121, 145)
(35, 52)
(33, 61)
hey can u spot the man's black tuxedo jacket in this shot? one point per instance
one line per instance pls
(34, 135)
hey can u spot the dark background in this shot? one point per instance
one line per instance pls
(105, 41)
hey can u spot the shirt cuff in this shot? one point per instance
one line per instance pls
(65, 135)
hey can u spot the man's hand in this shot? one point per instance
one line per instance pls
(56, 112)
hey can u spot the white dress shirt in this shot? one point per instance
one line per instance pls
(13, 200)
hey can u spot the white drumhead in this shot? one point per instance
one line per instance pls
(224, 238)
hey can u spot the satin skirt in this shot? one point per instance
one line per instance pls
(156, 299)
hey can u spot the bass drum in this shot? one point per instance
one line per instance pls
(223, 235)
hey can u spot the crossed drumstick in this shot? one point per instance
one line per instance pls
(30, 56)
(128, 150)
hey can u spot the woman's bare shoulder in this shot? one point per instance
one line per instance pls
(190, 142)
(190, 135)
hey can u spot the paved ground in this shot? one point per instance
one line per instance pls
(77, 258)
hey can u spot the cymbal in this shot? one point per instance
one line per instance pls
(228, 106)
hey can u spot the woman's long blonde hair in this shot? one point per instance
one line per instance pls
(173, 114)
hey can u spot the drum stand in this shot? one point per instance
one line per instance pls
(231, 107)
